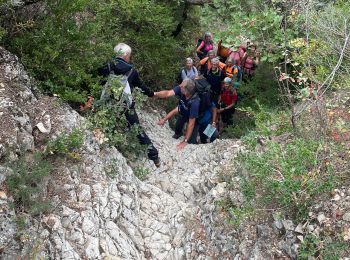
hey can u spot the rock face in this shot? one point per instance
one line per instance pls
(96, 216)
(101, 210)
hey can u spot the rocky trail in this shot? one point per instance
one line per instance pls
(96, 216)
(102, 210)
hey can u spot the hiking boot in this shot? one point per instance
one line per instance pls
(157, 162)
(176, 136)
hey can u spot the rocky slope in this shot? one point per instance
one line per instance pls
(102, 211)
(96, 216)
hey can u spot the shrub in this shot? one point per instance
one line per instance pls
(64, 46)
(288, 176)
(66, 144)
(141, 173)
(25, 183)
(321, 248)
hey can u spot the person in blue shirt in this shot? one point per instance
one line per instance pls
(208, 118)
(187, 109)
(202, 122)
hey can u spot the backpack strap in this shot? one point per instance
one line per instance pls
(129, 73)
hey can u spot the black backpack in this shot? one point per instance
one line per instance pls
(199, 41)
(203, 92)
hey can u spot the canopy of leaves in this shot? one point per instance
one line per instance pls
(64, 43)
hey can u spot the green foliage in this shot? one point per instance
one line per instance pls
(64, 49)
(235, 215)
(257, 96)
(25, 183)
(243, 124)
(323, 249)
(112, 169)
(141, 173)
(67, 144)
(111, 127)
(289, 175)
(254, 20)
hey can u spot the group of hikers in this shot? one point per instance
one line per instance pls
(205, 92)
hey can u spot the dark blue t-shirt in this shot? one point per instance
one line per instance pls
(188, 108)
(215, 79)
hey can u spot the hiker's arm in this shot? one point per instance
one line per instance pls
(138, 83)
(230, 106)
(164, 93)
(190, 126)
(189, 130)
(244, 60)
(200, 47)
(256, 58)
(201, 63)
(168, 116)
(218, 111)
(214, 112)
(105, 70)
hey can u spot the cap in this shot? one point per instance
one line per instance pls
(227, 80)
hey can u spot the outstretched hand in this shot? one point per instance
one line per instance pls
(181, 145)
(161, 122)
(88, 104)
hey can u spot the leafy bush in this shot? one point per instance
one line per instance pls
(64, 48)
(66, 144)
(321, 248)
(111, 127)
(288, 175)
(141, 173)
(25, 183)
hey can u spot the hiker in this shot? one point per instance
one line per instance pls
(202, 122)
(232, 70)
(188, 110)
(204, 45)
(249, 62)
(238, 54)
(189, 71)
(205, 115)
(227, 101)
(209, 117)
(215, 76)
(121, 66)
(205, 64)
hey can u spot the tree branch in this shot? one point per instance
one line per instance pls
(198, 2)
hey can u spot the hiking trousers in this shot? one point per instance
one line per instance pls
(180, 123)
(133, 119)
(227, 116)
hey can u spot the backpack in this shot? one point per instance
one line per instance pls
(239, 74)
(199, 41)
(117, 88)
(203, 92)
